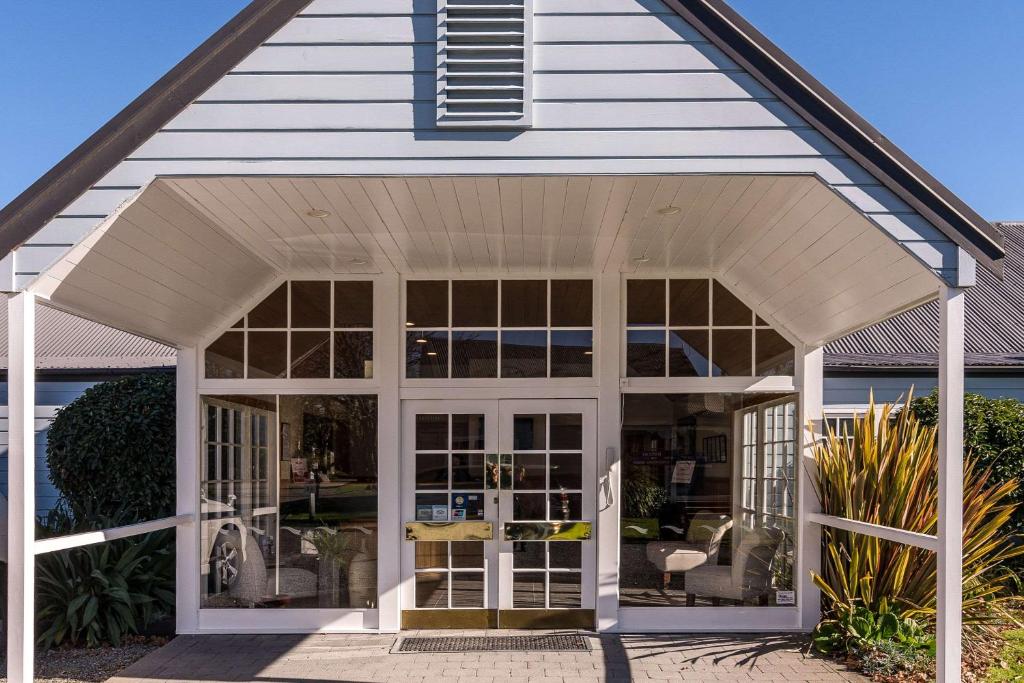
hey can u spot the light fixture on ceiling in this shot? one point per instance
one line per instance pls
(641, 259)
(669, 210)
(431, 353)
(318, 213)
(421, 340)
(358, 261)
(409, 323)
(588, 353)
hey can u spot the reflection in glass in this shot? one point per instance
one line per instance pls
(529, 506)
(566, 431)
(468, 432)
(267, 354)
(353, 355)
(524, 353)
(432, 590)
(566, 506)
(687, 539)
(431, 432)
(468, 554)
(565, 589)
(426, 303)
(468, 471)
(566, 471)
(431, 554)
(572, 353)
(311, 303)
(474, 303)
(645, 302)
(565, 555)
(688, 303)
(688, 353)
(475, 354)
(528, 554)
(529, 471)
(524, 303)
(732, 352)
(272, 311)
(311, 354)
(645, 353)
(528, 590)
(775, 355)
(529, 432)
(431, 471)
(467, 589)
(353, 304)
(225, 358)
(728, 309)
(289, 515)
(572, 303)
(426, 354)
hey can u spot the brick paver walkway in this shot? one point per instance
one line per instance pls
(313, 658)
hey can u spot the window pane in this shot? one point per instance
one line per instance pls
(565, 555)
(432, 590)
(731, 352)
(468, 432)
(426, 303)
(528, 471)
(225, 358)
(467, 590)
(524, 354)
(311, 354)
(353, 304)
(688, 303)
(566, 506)
(529, 506)
(528, 590)
(431, 470)
(272, 311)
(645, 302)
(468, 554)
(528, 554)
(645, 353)
(524, 303)
(311, 303)
(267, 354)
(688, 353)
(475, 354)
(572, 303)
(728, 310)
(572, 353)
(529, 432)
(566, 471)
(565, 590)
(474, 303)
(353, 355)
(431, 432)
(431, 554)
(426, 354)
(468, 471)
(775, 355)
(566, 432)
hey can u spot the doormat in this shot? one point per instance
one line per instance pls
(539, 643)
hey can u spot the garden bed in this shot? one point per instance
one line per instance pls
(89, 665)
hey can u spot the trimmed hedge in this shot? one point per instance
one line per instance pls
(111, 450)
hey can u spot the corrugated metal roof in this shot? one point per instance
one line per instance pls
(65, 342)
(995, 324)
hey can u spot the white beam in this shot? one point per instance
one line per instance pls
(50, 545)
(951, 483)
(187, 491)
(21, 501)
(606, 366)
(387, 369)
(925, 541)
(809, 380)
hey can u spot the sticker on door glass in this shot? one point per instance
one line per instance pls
(785, 597)
(467, 506)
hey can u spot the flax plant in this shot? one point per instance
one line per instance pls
(886, 472)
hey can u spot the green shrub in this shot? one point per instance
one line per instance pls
(994, 437)
(854, 629)
(886, 473)
(642, 497)
(112, 448)
(99, 593)
(892, 659)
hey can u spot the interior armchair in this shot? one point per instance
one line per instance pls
(749, 579)
(703, 539)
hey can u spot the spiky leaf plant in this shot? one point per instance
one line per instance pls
(886, 472)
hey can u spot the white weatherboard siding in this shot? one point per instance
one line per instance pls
(852, 390)
(621, 87)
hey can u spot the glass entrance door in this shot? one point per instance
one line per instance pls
(499, 499)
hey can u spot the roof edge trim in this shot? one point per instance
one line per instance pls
(144, 116)
(734, 35)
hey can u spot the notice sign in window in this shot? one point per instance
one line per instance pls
(467, 506)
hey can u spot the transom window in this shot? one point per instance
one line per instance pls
(492, 328)
(303, 329)
(698, 328)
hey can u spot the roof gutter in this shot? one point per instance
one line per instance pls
(792, 84)
(136, 123)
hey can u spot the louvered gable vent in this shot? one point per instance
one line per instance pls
(484, 63)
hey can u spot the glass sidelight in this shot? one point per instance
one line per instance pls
(499, 500)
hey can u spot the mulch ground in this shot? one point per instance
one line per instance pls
(93, 665)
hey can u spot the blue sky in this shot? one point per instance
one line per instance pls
(941, 78)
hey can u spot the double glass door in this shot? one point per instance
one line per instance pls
(499, 501)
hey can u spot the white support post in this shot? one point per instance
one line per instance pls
(608, 449)
(187, 491)
(951, 484)
(387, 369)
(810, 381)
(21, 499)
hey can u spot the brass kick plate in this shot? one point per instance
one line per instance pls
(492, 618)
(449, 531)
(547, 531)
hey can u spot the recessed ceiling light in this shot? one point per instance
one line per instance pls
(421, 341)
(431, 353)
(588, 353)
(409, 323)
(669, 210)
(358, 261)
(642, 259)
(318, 213)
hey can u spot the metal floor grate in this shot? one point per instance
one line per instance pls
(542, 643)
